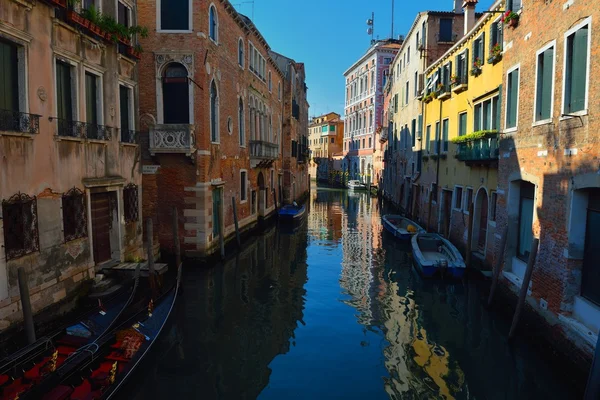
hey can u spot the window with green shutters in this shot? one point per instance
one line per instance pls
(544, 84)
(478, 48)
(331, 128)
(436, 146)
(445, 125)
(512, 98)
(9, 77)
(495, 36)
(486, 115)
(576, 71)
(477, 118)
(462, 124)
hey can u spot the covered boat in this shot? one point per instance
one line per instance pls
(291, 212)
(400, 227)
(356, 185)
(434, 255)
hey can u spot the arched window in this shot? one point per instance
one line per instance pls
(241, 123)
(214, 113)
(213, 24)
(176, 108)
(241, 52)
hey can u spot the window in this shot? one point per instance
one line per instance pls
(324, 129)
(544, 84)
(406, 93)
(468, 199)
(590, 282)
(243, 186)
(462, 67)
(445, 30)
(445, 124)
(270, 83)
(576, 70)
(512, 98)
(74, 215)
(332, 140)
(294, 148)
(493, 206)
(214, 113)
(424, 34)
(458, 195)
(413, 132)
(241, 123)
(20, 226)
(9, 71)
(363, 143)
(396, 102)
(428, 139)
(213, 21)
(462, 124)
(370, 143)
(416, 84)
(131, 203)
(495, 36)
(408, 55)
(437, 138)
(526, 197)
(241, 53)
(514, 5)
(478, 48)
(175, 95)
(257, 62)
(125, 101)
(279, 90)
(93, 106)
(486, 114)
(123, 14)
(175, 15)
(64, 96)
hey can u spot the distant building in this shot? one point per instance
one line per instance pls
(365, 80)
(325, 138)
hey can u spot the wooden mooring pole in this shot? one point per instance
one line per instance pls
(150, 246)
(592, 391)
(176, 242)
(26, 305)
(469, 235)
(235, 221)
(524, 287)
(498, 265)
(221, 233)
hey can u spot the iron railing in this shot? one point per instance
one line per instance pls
(485, 149)
(82, 130)
(129, 136)
(262, 150)
(16, 121)
(74, 214)
(21, 234)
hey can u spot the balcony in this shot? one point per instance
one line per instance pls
(263, 154)
(459, 83)
(383, 137)
(172, 138)
(81, 130)
(129, 136)
(15, 121)
(443, 91)
(478, 148)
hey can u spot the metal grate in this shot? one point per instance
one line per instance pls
(74, 215)
(21, 235)
(129, 136)
(130, 198)
(82, 130)
(15, 121)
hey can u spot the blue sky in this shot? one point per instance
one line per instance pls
(330, 35)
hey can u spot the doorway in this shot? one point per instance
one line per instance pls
(262, 195)
(480, 221)
(101, 225)
(590, 282)
(216, 217)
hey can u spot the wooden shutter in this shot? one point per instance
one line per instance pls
(63, 91)
(544, 90)
(513, 87)
(465, 71)
(124, 107)
(579, 70)
(498, 112)
(9, 79)
(91, 107)
(482, 47)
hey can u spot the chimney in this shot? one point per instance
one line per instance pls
(458, 6)
(469, 7)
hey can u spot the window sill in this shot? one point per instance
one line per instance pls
(243, 201)
(174, 31)
(577, 114)
(214, 41)
(17, 134)
(542, 122)
(215, 143)
(510, 130)
(457, 209)
(580, 329)
(97, 141)
(125, 144)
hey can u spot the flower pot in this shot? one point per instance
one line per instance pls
(77, 19)
(132, 53)
(124, 40)
(513, 22)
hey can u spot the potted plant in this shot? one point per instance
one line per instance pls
(476, 69)
(135, 51)
(440, 88)
(454, 79)
(495, 54)
(510, 18)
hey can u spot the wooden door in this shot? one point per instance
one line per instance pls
(483, 222)
(101, 222)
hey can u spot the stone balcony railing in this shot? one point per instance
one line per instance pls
(172, 138)
(262, 153)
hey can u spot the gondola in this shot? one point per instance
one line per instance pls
(22, 371)
(118, 353)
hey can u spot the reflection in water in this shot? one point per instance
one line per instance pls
(358, 323)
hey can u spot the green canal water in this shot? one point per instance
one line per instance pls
(335, 310)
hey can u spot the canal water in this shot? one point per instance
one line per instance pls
(335, 310)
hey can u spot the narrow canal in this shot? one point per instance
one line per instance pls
(335, 310)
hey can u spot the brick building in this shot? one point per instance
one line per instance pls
(70, 176)
(214, 104)
(549, 182)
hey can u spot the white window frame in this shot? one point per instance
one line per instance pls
(516, 127)
(241, 46)
(455, 197)
(465, 197)
(217, 125)
(216, 39)
(244, 196)
(158, 19)
(75, 83)
(23, 45)
(537, 55)
(585, 111)
(99, 92)
(131, 89)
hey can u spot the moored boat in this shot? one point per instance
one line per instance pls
(356, 185)
(435, 255)
(401, 227)
(291, 212)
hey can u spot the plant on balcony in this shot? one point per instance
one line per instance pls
(474, 136)
(429, 97)
(476, 68)
(510, 18)
(455, 79)
(495, 54)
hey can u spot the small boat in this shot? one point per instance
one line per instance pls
(435, 255)
(356, 185)
(100, 373)
(400, 227)
(291, 212)
(24, 370)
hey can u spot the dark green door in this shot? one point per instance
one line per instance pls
(216, 195)
(124, 106)
(590, 285)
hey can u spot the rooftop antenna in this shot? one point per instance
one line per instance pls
(247, 2)
(371, 27)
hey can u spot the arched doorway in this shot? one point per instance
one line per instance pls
(480, 221)
(176, 108)
(262, 195)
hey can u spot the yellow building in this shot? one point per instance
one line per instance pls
(459, 143)
(325, 138)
